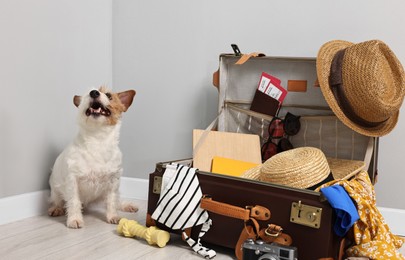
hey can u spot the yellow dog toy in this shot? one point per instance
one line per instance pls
(153, 235)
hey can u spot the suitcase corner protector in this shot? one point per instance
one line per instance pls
(157, 184)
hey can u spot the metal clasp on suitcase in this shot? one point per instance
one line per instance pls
(157, 184)
(305, 215)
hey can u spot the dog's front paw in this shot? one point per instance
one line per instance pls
(113, 219)
(128, 207)
(75, 223)
(56, 211)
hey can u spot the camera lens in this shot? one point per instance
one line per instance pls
(268, 257)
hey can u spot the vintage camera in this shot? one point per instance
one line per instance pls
(260, 250)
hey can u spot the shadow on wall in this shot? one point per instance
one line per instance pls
(53, 152)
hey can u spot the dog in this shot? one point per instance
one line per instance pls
(89, 169)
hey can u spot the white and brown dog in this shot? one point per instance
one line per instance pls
(89, 169)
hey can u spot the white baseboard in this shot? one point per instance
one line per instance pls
(395, 219)
(35, 203)
(134, 188)
(22, 206)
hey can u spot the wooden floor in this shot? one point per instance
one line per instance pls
(45, 237)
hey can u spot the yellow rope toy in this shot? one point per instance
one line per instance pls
(153, 235)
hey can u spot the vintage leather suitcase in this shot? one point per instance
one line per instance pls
(303, 214)
(313, 237)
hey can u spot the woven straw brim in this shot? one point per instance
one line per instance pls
(344, 169)
(341, 169)
(323, 64)
(300, 168)
(253, 173)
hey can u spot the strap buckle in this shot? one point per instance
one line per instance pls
(273, 230)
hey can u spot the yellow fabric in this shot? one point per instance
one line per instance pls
(372, 236)
(229, 166)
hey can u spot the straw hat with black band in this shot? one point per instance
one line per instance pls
(303, 167)
(363, 83)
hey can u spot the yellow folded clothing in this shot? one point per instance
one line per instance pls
(230, 166)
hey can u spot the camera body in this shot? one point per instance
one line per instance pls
(260, 250)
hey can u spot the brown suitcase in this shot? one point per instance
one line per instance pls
(312, 243)
(303, 214)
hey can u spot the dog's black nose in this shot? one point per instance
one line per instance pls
(94, 94)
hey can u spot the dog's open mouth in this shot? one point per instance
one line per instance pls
(97, 109)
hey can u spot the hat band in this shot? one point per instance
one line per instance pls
(326, 180)
(337, 88)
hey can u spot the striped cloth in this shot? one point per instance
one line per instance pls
(179, 205)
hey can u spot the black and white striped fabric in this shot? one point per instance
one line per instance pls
(179, 205)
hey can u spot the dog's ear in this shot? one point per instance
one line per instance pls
(126, 98)
(76, 100)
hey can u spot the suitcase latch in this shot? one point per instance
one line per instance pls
(157, 184)
(305, 215)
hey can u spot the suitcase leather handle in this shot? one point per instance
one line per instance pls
(272, 233)
(256, 212)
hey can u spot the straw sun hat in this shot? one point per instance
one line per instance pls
(303, 167)
(363, 84)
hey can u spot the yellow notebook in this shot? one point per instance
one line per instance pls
(230, 166)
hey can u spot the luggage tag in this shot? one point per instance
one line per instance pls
(274, 88)
(266, 80)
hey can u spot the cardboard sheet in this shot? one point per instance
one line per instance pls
(243, 147)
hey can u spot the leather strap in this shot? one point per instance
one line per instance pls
(342, 249)
(246, 233)
(256, 212)
(246, 57)
(341, 252)
(274, 233)
(215, 79)
(186, 231)
(250, 214)
(149, 220)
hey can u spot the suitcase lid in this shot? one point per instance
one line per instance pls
(319, 126)
(237, 81)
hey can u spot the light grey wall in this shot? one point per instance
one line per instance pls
(49, 51)
(169, 49)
